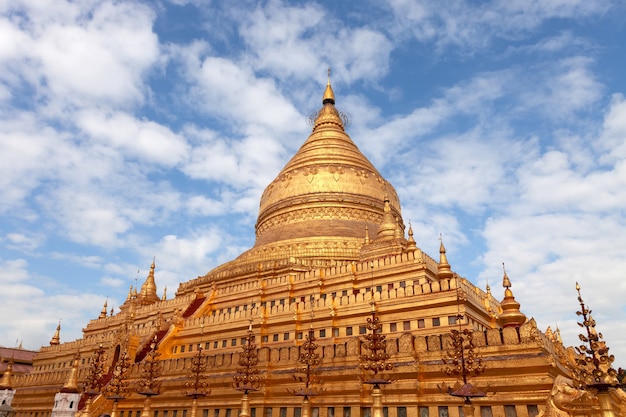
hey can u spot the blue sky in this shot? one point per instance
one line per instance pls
(131, 130)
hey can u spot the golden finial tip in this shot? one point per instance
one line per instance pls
(329, 95)
(506, 282)
(577, 286)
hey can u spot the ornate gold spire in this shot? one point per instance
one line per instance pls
(387, 229)
(56, 339)
(443, 268)
(511, 315)
(103, 313)
(148, 293)
(7, 378)
(411, 245)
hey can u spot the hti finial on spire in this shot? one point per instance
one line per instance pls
(329, 94)
(506, 282)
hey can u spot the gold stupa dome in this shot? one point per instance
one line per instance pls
(328, 190)
(320, 208)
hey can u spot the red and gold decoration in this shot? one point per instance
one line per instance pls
(374, 363)
(117, 388)
(150, 385)
(462, 362)
(247, 377)
(94, 380)
(197, 385)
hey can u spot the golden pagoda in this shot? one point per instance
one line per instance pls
(330, 252)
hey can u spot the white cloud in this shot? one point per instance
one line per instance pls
(26, 242)
(612, 141)
(470, 27)
(72, 53)
(565, 223)
(143, 140)
(90, 217)
(301, 33)
(199, 205)
(35, 310)
(233, 91)
(278, 31)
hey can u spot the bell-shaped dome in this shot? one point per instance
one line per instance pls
(329, 190)
(322, 204)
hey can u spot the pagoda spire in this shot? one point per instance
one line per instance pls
(103, 313)
(443, 268)
(148, 293)
(387, 228)
(56, 339)
(329, 116)
(411, 245)
(511, 315)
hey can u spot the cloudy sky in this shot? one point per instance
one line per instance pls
(139, 129)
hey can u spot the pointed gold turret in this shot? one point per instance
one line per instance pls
(411, 245)
(443, 268)
(71, 385)
(148, 293)
(56, 339)
(7, 378)
(511, 315)
(103, 313)
(387, 229)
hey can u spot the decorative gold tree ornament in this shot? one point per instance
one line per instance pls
(463, 362)
(594, 389)
(197, 385)
(374, 362)
(247, 377)
(117, 388)
(310, 361)
(149, 385)
(94, 380)
(593, 366)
